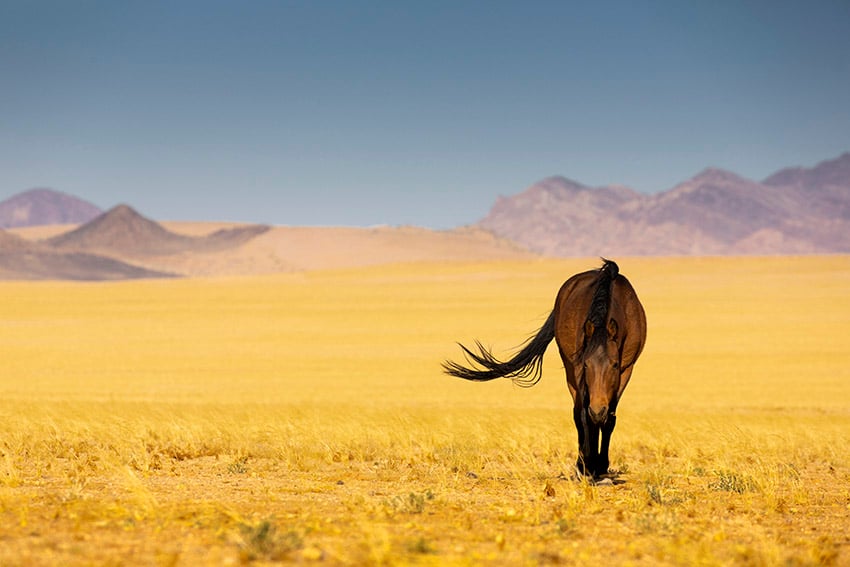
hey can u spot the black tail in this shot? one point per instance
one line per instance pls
(524, 369)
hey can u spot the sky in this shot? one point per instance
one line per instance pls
(362, 113)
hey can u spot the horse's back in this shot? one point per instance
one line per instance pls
(573, 303)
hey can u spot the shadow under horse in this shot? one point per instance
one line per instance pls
(599, 325)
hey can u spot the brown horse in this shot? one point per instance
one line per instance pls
(600, 328)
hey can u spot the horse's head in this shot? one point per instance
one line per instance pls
(601, 370)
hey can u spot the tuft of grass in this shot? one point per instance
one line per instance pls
(238, 466)
(730, 481)
(662, 522)
(9, 471)
(264, 541)
(412, 503)
(654, 493)
(660, 489)
(566, 526)
(421, 546)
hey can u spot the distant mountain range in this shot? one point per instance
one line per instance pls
(111, 246)
(123, 244)
(794, 211)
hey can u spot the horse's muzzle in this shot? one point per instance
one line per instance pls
(598, 417)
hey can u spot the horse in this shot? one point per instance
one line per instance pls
(599, 325)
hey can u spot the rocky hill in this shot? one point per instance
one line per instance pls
(794, 211)
(21, 259)
(118, 244)
(45, 206)
(123, 233)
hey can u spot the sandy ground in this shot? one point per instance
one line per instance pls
(290, 249)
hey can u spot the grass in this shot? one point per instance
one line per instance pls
(303, 418)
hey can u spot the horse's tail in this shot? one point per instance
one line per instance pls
(525, 369)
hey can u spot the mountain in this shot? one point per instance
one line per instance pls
(538, 217)
(122, 232)
(45, 206)
(118, 244)
(794, 211)
(829, 173)
(21, 259)
(825, 186)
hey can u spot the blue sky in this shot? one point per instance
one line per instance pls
(363, 113)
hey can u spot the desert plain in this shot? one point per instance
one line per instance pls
(302, 417)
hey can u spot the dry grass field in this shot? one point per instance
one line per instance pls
(303, 418)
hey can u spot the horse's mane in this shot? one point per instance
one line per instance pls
(597, 315)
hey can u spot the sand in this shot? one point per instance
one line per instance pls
(286, 249)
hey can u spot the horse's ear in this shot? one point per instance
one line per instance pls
(588, 329)
(612, 329)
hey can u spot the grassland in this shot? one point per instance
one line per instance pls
(303, 418)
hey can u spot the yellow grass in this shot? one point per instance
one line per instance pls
(304, 418)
